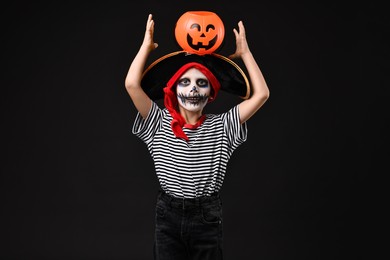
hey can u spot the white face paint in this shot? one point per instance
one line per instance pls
(193, 90)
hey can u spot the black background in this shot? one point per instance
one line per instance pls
(77, 184)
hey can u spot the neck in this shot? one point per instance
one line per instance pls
(191, 117)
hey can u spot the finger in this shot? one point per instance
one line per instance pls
(235, 32)
(241, 27)
(149, 21)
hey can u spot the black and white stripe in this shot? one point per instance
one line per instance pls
(197, 167)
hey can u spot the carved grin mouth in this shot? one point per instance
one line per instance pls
(199, 45)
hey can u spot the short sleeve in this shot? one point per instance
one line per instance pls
(146, 128)
(235, 131)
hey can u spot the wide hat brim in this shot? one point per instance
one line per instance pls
(231, 77)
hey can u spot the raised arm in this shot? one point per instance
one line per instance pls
(260, 91)
(133, 79)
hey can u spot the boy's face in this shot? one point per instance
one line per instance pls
(193, 90)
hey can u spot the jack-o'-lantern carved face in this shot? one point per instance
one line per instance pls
(199, 32)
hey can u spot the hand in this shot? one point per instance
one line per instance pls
(241, 43)
(148, 38)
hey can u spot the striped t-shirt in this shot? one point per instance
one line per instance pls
(194, 168)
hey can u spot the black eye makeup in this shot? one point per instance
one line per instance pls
(202, 83)
(184, 82)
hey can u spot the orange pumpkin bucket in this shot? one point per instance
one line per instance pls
(199, 32)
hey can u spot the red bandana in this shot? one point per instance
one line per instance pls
(170, 98)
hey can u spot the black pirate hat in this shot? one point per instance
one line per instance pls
(231, 77)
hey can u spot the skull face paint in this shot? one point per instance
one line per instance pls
(193, 90)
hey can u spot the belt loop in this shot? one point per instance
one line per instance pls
(199, 202)
(170, 198)
(166, 197)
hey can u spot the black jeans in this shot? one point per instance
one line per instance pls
(188, 228)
